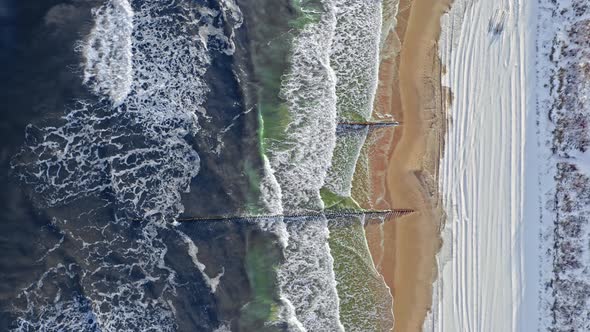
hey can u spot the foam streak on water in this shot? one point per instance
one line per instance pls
(192, 252)
(389, 11)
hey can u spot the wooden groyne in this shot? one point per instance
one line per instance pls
(385, 214)
(370, 124)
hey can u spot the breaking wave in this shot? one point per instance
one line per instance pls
(354, 56)
(300, 165)
(107, 51)
(309, 91)
(307, 278)
(333, 74)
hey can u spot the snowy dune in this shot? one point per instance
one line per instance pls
(489, 263)
(563, 55)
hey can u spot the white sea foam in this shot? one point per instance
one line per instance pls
(270, 190)
(346, 38)
(306, 278)
(366, 303)
(389, 23)
(223, 328)
(234, 18)
(309, 90)
(287, 314)
(134, 150)
(96, 294)
(346, 154)
(354, 55)
(277, 226)
(60, 316)
(107, 51)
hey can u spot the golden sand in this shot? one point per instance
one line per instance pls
(405, 250)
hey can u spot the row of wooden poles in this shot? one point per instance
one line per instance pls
(368, 213)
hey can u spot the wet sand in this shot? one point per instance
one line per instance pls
(405, 250)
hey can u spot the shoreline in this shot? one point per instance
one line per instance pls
(405, 250)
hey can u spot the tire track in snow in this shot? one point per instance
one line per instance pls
(481, 266)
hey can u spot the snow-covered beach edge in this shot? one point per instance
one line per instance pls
(492, 171)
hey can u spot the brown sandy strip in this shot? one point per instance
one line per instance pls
(405, 250)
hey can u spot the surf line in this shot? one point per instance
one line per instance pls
(383, 213)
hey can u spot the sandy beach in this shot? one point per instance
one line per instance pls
(405, 250)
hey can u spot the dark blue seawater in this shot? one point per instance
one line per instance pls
(82, 256)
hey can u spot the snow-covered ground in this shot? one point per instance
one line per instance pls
(489, 264)
(563, 66)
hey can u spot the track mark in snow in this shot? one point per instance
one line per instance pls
(481, 266)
